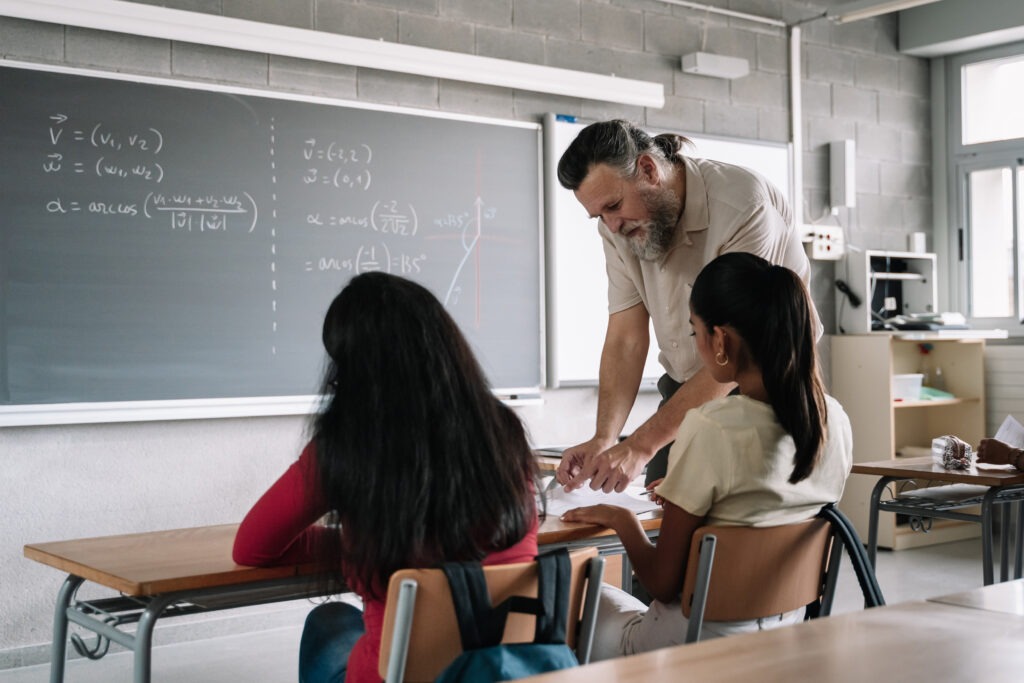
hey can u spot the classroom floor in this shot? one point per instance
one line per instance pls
(271, 656)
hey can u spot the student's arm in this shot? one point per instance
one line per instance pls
(623, 356)
(661, 568)
(280, 529)
(613, 469)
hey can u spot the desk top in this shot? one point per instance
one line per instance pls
(924, 468)
(190, 559)
(913, 641)
(1005, 597)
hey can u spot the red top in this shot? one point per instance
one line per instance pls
(280, 529)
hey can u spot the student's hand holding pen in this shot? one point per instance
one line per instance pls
(655, 498)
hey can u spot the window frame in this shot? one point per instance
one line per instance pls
(963, 160)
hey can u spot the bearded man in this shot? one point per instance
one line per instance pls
(662, 217)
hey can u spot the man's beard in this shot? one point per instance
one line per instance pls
(663, 207)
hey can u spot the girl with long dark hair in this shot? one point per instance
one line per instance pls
(772, 454)
(414, 456)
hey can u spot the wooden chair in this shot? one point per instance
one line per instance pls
(420, 635)
(737, 573)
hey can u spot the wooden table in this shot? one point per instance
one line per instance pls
(184, 571)
(1000, 486)
(1005, 597)
(913, 642)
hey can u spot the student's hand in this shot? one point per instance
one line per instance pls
(655, 498)
(611, 516)
(996, 452)
(575, 460)
(613, 469)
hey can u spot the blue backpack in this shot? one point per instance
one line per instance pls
(484, 659)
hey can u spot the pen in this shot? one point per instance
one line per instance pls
(552, 485)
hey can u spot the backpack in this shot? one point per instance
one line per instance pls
(484, 658)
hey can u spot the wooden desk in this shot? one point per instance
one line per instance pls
(914, 642)
(1000, 487)
(184, 571)
(1005, 597)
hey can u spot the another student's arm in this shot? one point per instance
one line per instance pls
(280, 529)
(997, 452)
(661, 568)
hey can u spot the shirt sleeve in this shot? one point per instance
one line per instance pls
(622, 291)
(280, 528)
(695, 479)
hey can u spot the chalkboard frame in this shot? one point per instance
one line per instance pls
(86, 412)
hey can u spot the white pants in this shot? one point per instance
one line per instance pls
(625, 626)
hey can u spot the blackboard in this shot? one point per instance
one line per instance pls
(167, 241)
(577, 283)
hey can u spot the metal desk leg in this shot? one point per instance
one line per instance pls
(1018, 540)
(986, 535)
(876, 496)
(143, 645)
(59, 651)
(1004, 542)
(627, 574)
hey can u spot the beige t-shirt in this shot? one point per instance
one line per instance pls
(728, 208)
(731, 462)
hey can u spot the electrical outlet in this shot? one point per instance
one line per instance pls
(827, 243)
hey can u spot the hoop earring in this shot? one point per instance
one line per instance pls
(718, 361)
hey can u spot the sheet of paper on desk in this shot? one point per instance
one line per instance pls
(1011, 432)
(634, 498)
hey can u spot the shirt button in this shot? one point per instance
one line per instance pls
(675, 345)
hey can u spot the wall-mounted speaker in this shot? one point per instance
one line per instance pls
(842, 173)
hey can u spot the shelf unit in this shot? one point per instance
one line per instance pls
(904, 280)
(862, 370)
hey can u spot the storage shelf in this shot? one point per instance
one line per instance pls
(933, 402)
(863, 367)
(880, 275)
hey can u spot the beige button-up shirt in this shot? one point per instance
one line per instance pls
(728, 208)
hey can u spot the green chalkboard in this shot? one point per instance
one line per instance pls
(162, 241)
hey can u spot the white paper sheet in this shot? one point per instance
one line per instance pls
(634, 498)
(1011, 432)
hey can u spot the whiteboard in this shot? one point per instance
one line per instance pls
(577, 284)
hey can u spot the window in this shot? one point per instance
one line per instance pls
(987, 200)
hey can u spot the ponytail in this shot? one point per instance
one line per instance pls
(770, 309)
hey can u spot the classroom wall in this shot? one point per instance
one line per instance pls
(75, 481)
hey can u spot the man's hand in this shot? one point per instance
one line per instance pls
(609, 470)
(575, 460)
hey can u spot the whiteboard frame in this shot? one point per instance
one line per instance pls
(86, 412)
(571, 304)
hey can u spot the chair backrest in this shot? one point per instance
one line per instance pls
(757, 571)
(433, 635)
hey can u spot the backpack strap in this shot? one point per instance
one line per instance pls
(843, 528)
(481, 625)
(554, 575)
(477, 627)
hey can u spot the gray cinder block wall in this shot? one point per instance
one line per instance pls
(85, 480)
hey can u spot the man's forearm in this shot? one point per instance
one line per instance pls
(662, 427)
(622, 366)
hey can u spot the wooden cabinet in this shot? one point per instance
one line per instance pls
(862, 370)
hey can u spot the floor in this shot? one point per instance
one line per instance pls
(270, 656)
